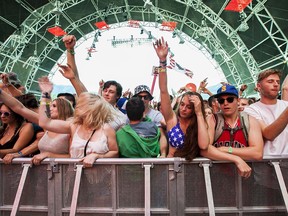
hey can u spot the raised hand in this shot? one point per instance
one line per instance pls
(66, 71)
(5, 78)
(101, 83)
(69, 41)
(197, 103)
(45, 84)
(161, 47)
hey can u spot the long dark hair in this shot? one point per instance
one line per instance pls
(191, 148)
(17, 118)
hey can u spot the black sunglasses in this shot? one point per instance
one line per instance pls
(146, 97)
(228, 99)
(6, 114)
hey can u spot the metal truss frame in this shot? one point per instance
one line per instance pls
(14, 46)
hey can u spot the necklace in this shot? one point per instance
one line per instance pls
(234, 125)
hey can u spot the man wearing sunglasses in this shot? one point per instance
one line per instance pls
(232, 144)
(143, 92)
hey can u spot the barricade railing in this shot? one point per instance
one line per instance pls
(160, 186)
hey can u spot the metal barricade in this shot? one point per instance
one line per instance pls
(160, 186)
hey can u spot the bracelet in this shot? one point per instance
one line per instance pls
(230, 150)
(46, 95)
(45, 103)
(162, 70)
(20, 153)
(71, 51)
(164, 63)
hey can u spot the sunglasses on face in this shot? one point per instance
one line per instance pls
(6, 114)
(146, 97)
(228, 99)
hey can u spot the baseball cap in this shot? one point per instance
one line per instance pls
(227, 90)
(142, 88)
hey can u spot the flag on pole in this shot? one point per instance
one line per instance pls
(175, 66)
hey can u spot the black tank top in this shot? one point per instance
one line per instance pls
(10, 144)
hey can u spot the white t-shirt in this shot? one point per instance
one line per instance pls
(120, 119)
(155, 116)
(268, 114)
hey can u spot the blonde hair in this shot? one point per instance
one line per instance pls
(64, 108)
(92, 111)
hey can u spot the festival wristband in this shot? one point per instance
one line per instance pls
(230, 150)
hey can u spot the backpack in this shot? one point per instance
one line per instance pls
(219, 127)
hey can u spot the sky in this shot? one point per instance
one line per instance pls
(132, 65)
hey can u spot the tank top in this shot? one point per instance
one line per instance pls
(176, 136)
(57, 145)
(78, 144)
(235, 134)
(10, 143)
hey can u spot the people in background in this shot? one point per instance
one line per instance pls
(141, 138)
(143, 92)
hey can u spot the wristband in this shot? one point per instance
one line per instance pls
(71, 51)
(46, 95)
(45, 103)
(230, 150)
(164, 63)
(20, 153)
(162, 70)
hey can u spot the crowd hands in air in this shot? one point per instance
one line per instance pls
(109, 124)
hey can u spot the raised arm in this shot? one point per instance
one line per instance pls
(57, 126)
(69, 73)
(11, 88)
(18, 107)
(161, 48)
(70, 42)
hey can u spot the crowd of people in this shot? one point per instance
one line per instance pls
(109, 124)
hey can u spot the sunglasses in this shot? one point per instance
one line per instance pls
(228, 99)
(6, 114)
(146, 97)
